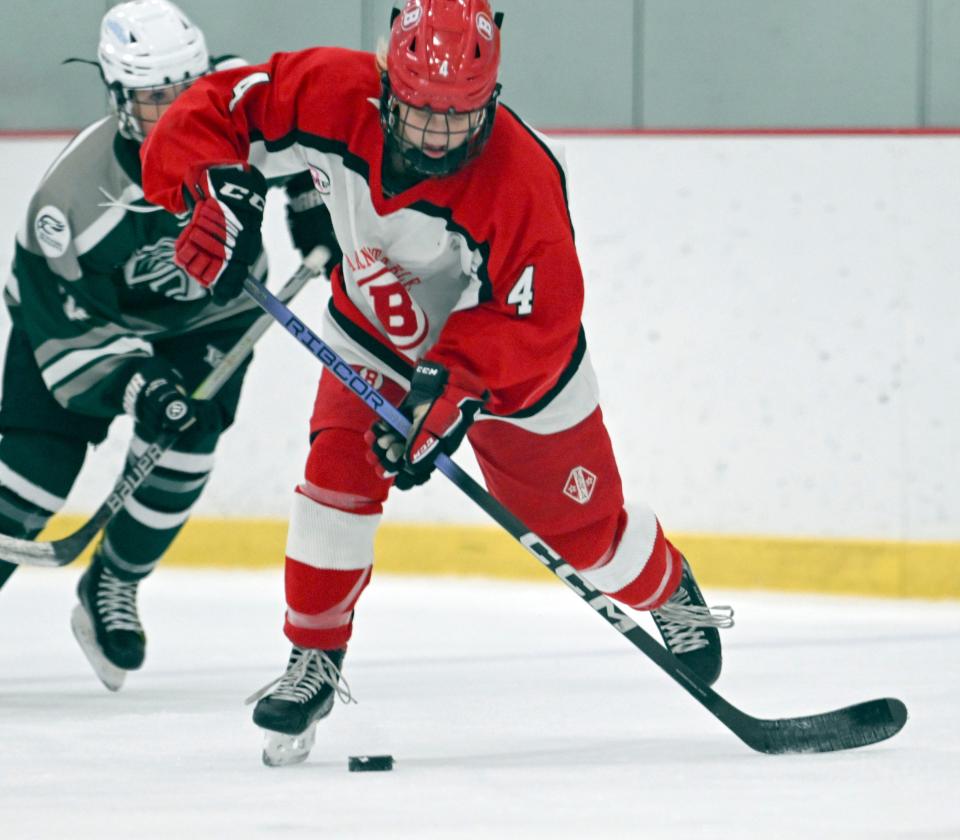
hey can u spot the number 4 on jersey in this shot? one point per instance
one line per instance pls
(521, 295)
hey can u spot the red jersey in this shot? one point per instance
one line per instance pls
(477, 269)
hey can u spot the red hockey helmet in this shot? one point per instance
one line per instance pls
(442, 60)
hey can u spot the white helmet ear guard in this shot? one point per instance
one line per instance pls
(148, 45)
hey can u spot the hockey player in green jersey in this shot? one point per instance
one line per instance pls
(104, 323)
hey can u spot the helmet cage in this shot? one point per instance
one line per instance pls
(138, 109)
(148, 53)
(398, 132)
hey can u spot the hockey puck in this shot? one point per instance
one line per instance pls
(369, 763)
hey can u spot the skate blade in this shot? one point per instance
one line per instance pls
(280, 750)
(108, 673)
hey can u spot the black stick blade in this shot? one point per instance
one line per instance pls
(842, 729)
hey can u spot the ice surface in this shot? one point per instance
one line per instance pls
(511, 710)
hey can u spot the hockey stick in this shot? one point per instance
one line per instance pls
(66, 549)
(852, 726)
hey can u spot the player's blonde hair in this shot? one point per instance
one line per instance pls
(381, 58)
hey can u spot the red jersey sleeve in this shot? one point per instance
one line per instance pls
(213, 122)
(521, 340)
(525, 330)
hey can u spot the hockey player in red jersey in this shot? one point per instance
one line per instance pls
(459, 294)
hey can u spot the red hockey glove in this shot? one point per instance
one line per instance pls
(157, 400)
(441, 406)
(223, 238)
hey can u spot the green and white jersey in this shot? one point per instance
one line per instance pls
(94, 282)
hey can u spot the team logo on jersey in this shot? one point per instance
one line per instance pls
(580, 485)
(372, 377)
(411, 17)
(485, 26)
(52, 231)
(321, 180)
(401, 317)
(152, 266)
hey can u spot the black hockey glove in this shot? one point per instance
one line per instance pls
(158, 402)
(441, 406)
(223, 240)
(308, 220)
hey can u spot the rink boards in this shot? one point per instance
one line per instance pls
(772, 320)
(854, 567)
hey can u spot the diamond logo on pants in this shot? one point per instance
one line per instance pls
(580, 485)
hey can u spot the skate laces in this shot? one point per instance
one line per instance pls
(116, 602)
(682, 623)
(308, 670)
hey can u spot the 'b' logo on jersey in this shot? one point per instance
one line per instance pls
(404, 322)
(372, 377)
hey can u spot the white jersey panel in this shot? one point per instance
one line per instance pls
(406, 271)
(276, 164)
(573, 404)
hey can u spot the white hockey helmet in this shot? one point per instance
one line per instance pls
(148, 47)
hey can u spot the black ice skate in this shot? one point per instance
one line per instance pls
(689, 628)
(290, 706)
(106, 624)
